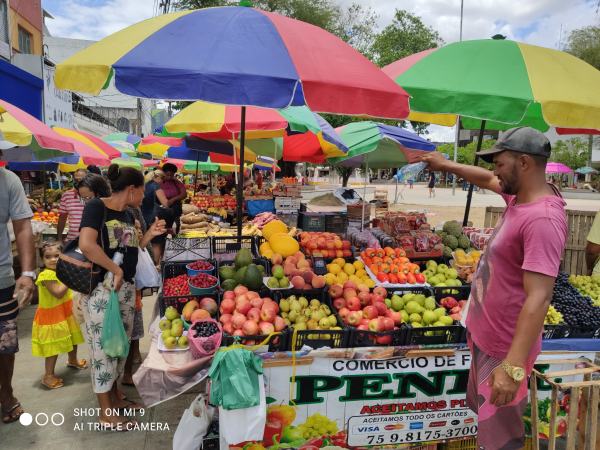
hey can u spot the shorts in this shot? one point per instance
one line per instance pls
(9, 339)
(138, 326)
(499, 428)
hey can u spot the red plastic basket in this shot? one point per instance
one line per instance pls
(203, 347)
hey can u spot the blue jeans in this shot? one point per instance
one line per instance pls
(465, 185)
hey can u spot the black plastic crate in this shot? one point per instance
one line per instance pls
(211, 443)
(451, 334)
(426, 291)
(553, 331)
(180, 301)
(463, 292)
(336, 223)
(258, 261)
(172, 269)
(226, 247)
(324, 338)
(277, 343)
(365, 338)
(312, 221)
(577, 332)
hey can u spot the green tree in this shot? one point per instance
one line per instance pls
(584, 43)
(573, 153)
(405, 36)
(184, 5)
(466, 155)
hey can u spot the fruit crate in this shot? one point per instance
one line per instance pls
(312, 221)
(365, 338)
(464, 444)
(463, 292)
(325, 338)
(552, 331)
(287, 202)
(172, 269)
(451, 334)
(291, 220)
(258, 261)
(336, 223)
(226, 247)
(179, 302)
(578, 332)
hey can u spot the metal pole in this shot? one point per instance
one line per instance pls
(275, 161)
(44, 182)
(240, 190)
(58, 177)
(234, 161)
(139, 117)
(457, 117)
(196, 177)
(396, 196)
(470, 194)
(362, 226)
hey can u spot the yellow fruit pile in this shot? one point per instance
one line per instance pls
(463, 260)
(340, 271)
(318, 425)
(279, 240)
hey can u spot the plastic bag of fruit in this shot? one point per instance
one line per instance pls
(204, 337)
(406, 240)
(422, 243)
(434, 240)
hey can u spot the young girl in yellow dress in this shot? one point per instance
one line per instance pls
(54, 328)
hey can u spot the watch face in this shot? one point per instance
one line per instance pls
(518, 374)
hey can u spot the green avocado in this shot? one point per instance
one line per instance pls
(229, 285)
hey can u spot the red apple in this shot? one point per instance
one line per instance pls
(343, 312)
(244, 307)
(395, 316)
(254, 314)
(364, 322)
(380, 291)
(242, 298)
(257, 303)
(336, 291)
(456, 316)
(279, 323)
(229, 295)
(455, 310)
(370, 312)
(362, 327)
(384, 340)
(249, 342)
(228, 328)
(348, 293)
(463, 303)
(268, 315)
(377, 298)
(350, 285)
(354, 318)
(238, 320)
(362, 288)
(238, 333)
(266, 328)
(227, 306)
(388, 323)
(339, 303)
(381, 307)
(250, 328)
(225, 318)
(240, 290)
(376, 325)
(353, 304)
(365, 298)
(252, 294)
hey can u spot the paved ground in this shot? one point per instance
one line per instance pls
(78, 395)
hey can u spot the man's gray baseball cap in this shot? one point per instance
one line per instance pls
(521, 140)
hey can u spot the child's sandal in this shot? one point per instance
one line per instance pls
(57, 383)
(81, 365)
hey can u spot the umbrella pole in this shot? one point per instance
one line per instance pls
(275, 161)
(234, 161)
(196, 177)
(58, 177)
(44, 182)
(396, 196)
(362, 227)
(470, 194)
(210, 181)
(240, 190)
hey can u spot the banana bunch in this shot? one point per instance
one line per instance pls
(292, 231)
(249, 229)
(195, 234)
(222, 212)
(222, 233)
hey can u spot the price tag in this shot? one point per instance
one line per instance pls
(410, 428)
(319, 266)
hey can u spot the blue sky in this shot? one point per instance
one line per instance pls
(536, 22)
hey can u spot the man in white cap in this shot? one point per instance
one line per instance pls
(15, 208)
(513, 284)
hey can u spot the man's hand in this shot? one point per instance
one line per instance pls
(28, 286)
(435, 160)
(504, 388)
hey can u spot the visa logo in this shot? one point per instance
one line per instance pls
(416, 425)
(367, 429)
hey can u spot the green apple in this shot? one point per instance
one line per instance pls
(165, 334)
(442, 268)
(451, 273)
(431, 265)
(170, 343)
(182, 342)
(164, 324)
(177, 322)
(433, 280)
(428, 273)
(441, 277)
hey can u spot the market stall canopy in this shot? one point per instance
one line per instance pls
(239, 56)
(585, 170)
(554, 167)
(188, 166)
(129, 150)
(564, 131)
(503, 82)
(123, 137)
(386, 146)
(97, 144)
(33, 138)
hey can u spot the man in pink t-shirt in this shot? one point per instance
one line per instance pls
(71, 207)
(513, 284)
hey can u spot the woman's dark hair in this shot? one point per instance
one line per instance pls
(95, 183)
(49, 243)
(169, 168)
(122, 177)
(94, 169)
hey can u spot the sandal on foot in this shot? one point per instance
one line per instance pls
(57, 383)
(81, 365)
(119, 427)
(132, 406)
(9, 413)
(121, 396)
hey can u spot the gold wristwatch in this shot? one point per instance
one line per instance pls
(516, 373)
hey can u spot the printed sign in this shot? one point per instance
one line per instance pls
(58, 107)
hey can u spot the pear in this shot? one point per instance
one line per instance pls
(332, 321)
(429, 303)
(293, 315)
(284, 306)
(313, 307)
(419, 298)
(429, 317)
(324, 323)
(414, 317)
(312, 324)
(284, 282)
(416, 325)
(301, 318)
(404, 315)
(446, 320)
(412, 307)
(407, 298)
(315, 302)
(397, 302)
(287, 321)
(295, 306)
(300, 326)
(303, 302)
(440, 312)
(439, 324)
(317, 315)
(284, 315)
(388, 303)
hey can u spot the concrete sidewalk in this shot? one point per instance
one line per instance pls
(77, 395)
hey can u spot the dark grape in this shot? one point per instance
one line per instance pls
(576, 310)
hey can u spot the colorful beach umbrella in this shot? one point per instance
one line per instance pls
(500, 81)
(554, 167)
(188, 166)
(123, 137)
(586, 170)
(33, 138)
(384, 146)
